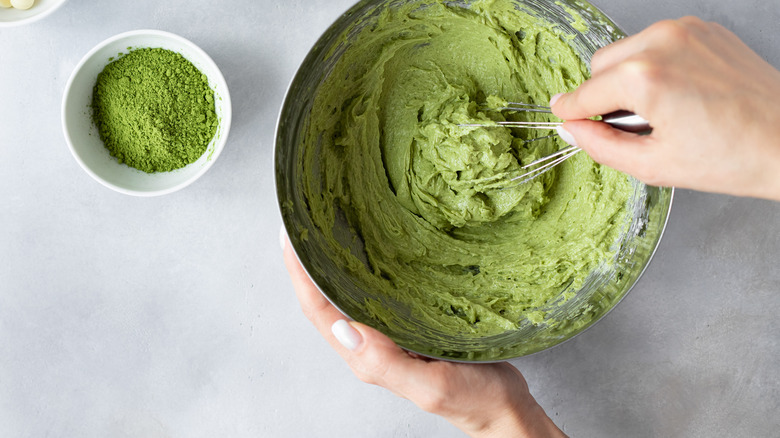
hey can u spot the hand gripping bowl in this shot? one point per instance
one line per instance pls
(647, 209)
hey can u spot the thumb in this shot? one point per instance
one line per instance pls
(375, 358)
(620, 150)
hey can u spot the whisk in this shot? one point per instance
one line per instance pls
(623, 120)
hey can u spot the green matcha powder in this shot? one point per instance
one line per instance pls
(154, 110)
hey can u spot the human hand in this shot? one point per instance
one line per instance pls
(712, 102)
(483, 400)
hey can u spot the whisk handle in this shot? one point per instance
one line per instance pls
(627, 121)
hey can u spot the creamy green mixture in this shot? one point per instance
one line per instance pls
(384, 151)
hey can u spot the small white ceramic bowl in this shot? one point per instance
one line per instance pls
(17, 17)
(82, 134)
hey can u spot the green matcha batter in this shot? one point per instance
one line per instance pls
(384, 151)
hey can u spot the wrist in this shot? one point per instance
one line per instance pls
(522, 420)
(770, 189)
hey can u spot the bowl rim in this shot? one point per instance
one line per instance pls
(286, 228)
(34, 17)
(225, 119)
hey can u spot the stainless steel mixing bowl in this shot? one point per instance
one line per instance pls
(603, 289)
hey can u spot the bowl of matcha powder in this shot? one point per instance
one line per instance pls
(146, 112)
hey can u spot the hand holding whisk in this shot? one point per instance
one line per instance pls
(623, 120)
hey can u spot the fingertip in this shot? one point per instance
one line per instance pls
(566, 135)
(568, 106)
(379, 347)
(555, 99)
(380, 361)
(347, 335)
(557, 102)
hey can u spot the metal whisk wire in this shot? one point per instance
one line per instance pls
(623, 120)
(545, 164)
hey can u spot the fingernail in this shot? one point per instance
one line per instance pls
(346, 335)
(555, 98)
(282, 237)
(566, 136)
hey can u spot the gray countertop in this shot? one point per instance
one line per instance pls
(174, 317)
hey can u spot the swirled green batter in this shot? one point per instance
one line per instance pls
(384, 150)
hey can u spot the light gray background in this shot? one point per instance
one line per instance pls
(174, 317)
